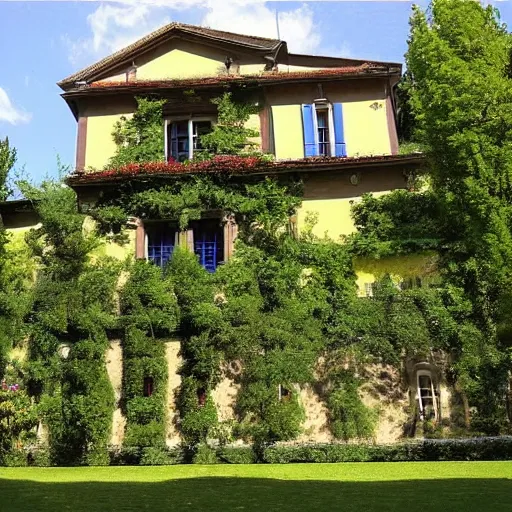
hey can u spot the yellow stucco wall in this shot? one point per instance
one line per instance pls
(366, 128)
(118, 251)
(287, 127)
(364, 116)
(369, 270)
(252, 69)
(329, 196)
(100, 145)
(254, 124)
(183, 59)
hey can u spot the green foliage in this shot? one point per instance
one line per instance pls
(349, 417)
(236, 455)
(73, 307)
(229, 135)
(461, 97)
(400, 222)
(204, 454)
(18, 417)
(139, 138)
(8, 157)
(149, 314)
(428, 450)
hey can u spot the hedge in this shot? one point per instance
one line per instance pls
(484, 448)
(471, 449)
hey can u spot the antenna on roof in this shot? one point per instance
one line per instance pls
(277, 25)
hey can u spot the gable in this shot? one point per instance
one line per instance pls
(179, 58)
(227, 43)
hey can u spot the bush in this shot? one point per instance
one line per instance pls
(204, 454)
(40, 457)
(152, 456)
(236, 455)
(146, 456)
(15, 458)
(98, 457)
(484, 448)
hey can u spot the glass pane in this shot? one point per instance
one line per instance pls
(321, 116)
(201, 128)
(209, 243)
(424, 382)
(182, 128)
(161, 240)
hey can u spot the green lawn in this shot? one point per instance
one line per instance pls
(421, 486)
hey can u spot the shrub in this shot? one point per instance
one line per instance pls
(15, 458)
(204, 454)
(485, 448)
(236, 455)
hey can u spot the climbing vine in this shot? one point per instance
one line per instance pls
(149, 315)
(72, 312)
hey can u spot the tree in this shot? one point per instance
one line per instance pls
(461, 96)
(7, 161)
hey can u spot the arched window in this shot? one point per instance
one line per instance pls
(428, 396)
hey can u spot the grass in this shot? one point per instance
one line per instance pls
(416, 486)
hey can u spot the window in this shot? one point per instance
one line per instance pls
(323, 129)
(209, 243)
(284, 394)
(161, 239)
(184, 137)
(148, 386)
(428, 396)
(322, 121)
(201, 397)
(370, 289)
(411, 283)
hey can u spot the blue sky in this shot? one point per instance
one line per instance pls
(43, 42)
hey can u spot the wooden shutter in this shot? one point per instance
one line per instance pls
(339, 135)
(173, 129)
(308, 125)
(140, 240)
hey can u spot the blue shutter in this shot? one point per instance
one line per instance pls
(339, 136)
(310, 146)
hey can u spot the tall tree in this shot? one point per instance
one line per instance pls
(461, 96)
(7, 161)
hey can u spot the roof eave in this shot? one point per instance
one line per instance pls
(284, 167)
(201, 83)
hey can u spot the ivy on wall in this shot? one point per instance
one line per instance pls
(72, 311)
(149, 314)
(264, 319)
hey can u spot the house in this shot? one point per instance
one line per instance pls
(329, 120)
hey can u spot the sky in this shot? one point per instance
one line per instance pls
(42, 42)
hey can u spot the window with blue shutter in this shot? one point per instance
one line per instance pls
(308, 126)
(161, 242)
(209, 243)
(339, 135)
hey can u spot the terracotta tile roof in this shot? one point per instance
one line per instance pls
(367, 68)
(145, 43)
(237, 166)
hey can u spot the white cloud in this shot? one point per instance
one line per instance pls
(116, 24)
(112, 28)
(9, 113)
(296, 26)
